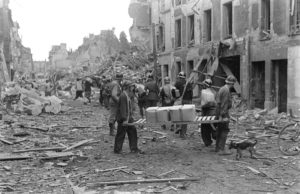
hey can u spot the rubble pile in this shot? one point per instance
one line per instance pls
(29, 101)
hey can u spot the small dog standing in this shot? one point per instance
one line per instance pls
(243, 145)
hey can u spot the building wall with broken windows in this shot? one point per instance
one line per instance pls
(257, 41)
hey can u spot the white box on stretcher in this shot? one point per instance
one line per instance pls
(183, 113)
(157, 114)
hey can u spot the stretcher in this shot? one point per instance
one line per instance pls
(197, 120)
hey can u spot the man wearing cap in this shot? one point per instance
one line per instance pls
(224, 103)
(152, 91)
(208, 106)
(116, 90)
(124, 118)
(187, 97)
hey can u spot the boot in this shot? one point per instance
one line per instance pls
(111, 129)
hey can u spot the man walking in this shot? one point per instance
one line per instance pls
(88, 88)
(208, 106)
(224, 103)
(124, 118)
(152, 91)
(116, 90)
(186, 95)
(79, 88)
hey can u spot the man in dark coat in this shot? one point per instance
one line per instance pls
(124, 118)
(152, 91)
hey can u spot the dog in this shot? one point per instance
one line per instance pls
(243, 145)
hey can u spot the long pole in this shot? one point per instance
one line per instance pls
(154, 52)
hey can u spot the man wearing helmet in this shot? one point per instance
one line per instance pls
(186, 93)
(224, 103)
(152, 91)
(208, 106)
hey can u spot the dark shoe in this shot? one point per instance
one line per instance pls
(117, 152)
(183, 136)
(178, 131)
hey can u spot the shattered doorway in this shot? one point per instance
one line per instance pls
(258, 85)
(279, 84)
(229, 66)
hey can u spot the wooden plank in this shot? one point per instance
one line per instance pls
(7, 157)
(108, 183)
(228, 72)
(81, 143)
(56, 155)
(40, 150)
(6, 141)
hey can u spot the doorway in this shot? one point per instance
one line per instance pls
(258, 85)
(279, 84)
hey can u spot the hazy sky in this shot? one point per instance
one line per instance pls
(44, 23)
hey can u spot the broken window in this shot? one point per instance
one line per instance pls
(178, 33)
(207, 16)
(166, 70)
(295, 16)
(227, 28)
(266, 16)
(177, 2)
(191, 29)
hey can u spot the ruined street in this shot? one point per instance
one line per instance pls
(83, 168)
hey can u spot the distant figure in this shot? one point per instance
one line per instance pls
(88, 89)
(48, 88)
(152, 92)
(141, 94)
(79, 88)
(124, 118)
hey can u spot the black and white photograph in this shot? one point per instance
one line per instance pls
(149, 96)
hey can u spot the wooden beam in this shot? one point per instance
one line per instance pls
(224, 78)
(40, 150)
(147, 181)
(78, 144)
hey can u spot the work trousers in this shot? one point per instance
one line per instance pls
(151, 103)
(121, 133)
(79, 94)
(221, 136)
(207, 131)
(101, 97)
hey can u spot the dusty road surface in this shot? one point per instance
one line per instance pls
(81, 169)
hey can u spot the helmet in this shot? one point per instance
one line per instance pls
(207, 82)
(181, 74)
(167, 80)
(230, 80)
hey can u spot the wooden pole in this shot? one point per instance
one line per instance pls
(154, 52)
(146, 181)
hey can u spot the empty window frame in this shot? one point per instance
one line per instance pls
(191, 29)
(266, 15)
(227, 21)
(208, 25)
(178, 33)
(295, 16)
(160, 38)
(178, 67)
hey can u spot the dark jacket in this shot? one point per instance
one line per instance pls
(153, 89)
(115, 92)
(163, 96)
(188, 95)
(124, 111)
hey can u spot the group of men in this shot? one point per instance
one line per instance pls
(118, 96)
(83, 85)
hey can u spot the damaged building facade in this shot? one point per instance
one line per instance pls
(17, 58)
(257, 41)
